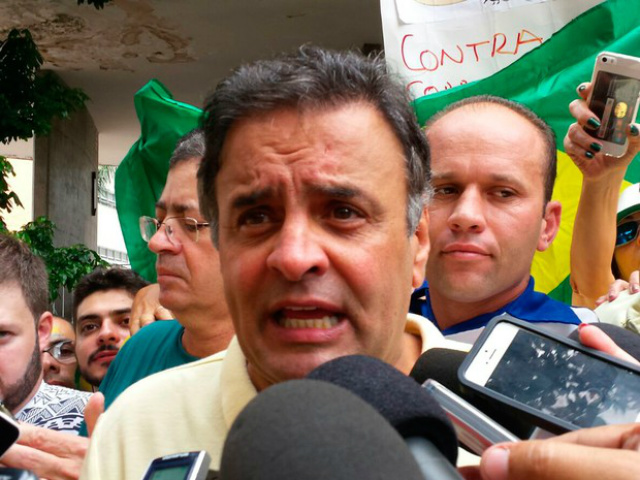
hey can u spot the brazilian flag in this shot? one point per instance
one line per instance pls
(141, 175)
(545, 80)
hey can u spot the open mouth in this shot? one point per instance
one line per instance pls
(306, 317)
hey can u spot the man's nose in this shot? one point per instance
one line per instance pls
(468, 212)
(298, 250)
(109, 332)
(160, 243)
(49, 364)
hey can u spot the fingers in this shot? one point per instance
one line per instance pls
(580, 111)
(43, 464)
(56, 443)
(615, 288)
(538, 460)
(47, 453)
(584, 89)
(470, 473)
(579, 145)
(625, 436)
(634, 282)
(162, 313)
(145, 305)
(592, 337)
(94, 408)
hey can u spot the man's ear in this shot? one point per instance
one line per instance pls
(45, 324)
(550, 225)
(421, 247)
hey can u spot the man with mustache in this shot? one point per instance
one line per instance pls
(490, 212)
(102, 305)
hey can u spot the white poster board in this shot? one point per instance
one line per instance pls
(435, 45)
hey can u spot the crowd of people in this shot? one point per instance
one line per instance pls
(310, 218)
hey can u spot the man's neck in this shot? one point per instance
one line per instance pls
(450, 312)
(28, 398)
(206, 334)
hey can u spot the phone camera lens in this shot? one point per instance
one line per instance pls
(605, 60)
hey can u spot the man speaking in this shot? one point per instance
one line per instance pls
(314, 181)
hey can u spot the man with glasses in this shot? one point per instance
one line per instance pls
(25, 327)
(59, 358)
(190, 284)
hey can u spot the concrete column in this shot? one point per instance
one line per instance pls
(63, 187)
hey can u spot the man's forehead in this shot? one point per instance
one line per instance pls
(106, 300)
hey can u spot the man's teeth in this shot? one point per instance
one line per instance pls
(324, 322)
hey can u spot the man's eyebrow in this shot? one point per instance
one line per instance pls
(178, 208)
(88, 316)
(252, 198)
(93, 316)
(496, 177)
(337, 191)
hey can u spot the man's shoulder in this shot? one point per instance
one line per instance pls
(181, 379)
(56, 408)
(55, 393)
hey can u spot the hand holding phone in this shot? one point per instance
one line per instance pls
(559, 384)
(614, 99)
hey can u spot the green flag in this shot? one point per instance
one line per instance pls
(141, 175)
(545, 80)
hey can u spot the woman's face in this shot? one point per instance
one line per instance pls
(627, 256)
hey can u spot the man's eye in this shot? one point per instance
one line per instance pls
(125, 321)
(344, 212)
(88, 328)
(505, 193)
(256, 217)
(67, 349)
(443, 191)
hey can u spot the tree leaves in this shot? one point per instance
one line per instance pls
(29, 99)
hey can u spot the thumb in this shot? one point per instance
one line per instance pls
(94, 408)
(542, 460)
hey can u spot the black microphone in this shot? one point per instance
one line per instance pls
(625, 339)
(407, 407)
(442, 365)
(311, 430)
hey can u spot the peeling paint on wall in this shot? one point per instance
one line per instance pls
(79, 37)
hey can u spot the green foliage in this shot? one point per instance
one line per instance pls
(65, 265)
(96, 3)
(29, 100)
(8, 199)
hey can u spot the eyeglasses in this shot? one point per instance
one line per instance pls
(175, 228)
(63, 351)
(626, 232)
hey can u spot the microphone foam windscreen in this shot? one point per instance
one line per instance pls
(440, 364)
(407, 406)
(310, 430)
(625, 339)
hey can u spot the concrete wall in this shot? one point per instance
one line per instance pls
(64, 162)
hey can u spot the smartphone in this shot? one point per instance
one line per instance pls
(179, 466)
(474, 429)
(557, 383)
(614, 99)
(9, 430)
